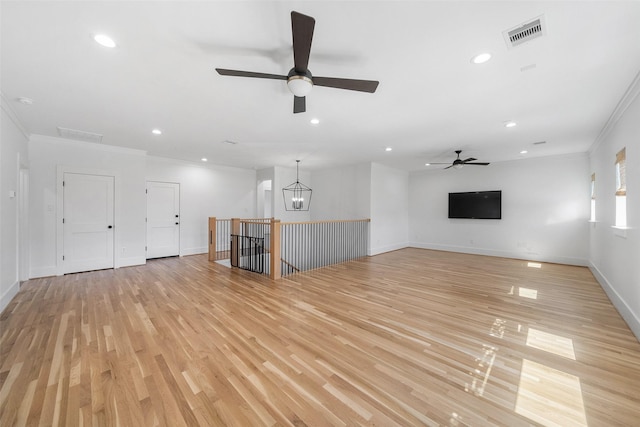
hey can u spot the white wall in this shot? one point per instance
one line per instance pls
(367, 190)
(545, 209)
(205, 190)
(47, 156)
(389, 209)
(615, 254)
(342, 193)
(13, 150)
(264, 181)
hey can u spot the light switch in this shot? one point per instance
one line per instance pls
(12, 194)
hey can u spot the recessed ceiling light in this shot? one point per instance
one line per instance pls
(510, 124)
(524, 152)
(314, 121)
(204, 159)
(104, 40)
(25, 100)
(427, 164)
(481, 58)
(388, 149)
(156, 132)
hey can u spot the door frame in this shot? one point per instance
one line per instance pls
(61, 170)
(24, 270)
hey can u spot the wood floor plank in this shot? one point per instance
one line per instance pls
(411, 337)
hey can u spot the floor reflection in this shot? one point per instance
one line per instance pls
(525, 292)
(550, 397)
(551, 343)
(484, 363)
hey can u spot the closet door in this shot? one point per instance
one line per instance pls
(88, 226)
(163, 219)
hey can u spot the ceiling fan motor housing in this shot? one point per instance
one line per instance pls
(299, 83)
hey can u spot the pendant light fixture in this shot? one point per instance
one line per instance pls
(297, 196)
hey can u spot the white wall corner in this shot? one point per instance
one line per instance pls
(627, 99)
(625, 311)
(6, 298)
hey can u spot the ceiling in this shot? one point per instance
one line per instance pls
(560, 88)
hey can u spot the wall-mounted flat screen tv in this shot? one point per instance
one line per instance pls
(476, 205)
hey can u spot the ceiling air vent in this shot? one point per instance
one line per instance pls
(80, 135)
(525, 32)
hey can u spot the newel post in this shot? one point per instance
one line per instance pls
(212, 238)
(274, 249)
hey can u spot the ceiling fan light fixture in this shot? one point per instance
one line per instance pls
(458, 166)
(300, 86)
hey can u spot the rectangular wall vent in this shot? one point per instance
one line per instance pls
(525, 32)
(80, 135)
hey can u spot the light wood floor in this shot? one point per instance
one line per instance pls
(412, 337)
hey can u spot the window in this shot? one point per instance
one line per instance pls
(621, 189)
(593, 197)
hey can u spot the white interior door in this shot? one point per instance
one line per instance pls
(88, 226)
(163, 219)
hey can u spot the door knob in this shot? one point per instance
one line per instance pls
(110, 226)
(177, 223)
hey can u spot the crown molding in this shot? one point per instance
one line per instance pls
(86, 145)
(7, 108)
(627, 99)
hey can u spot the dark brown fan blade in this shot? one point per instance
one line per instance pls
(302, 31)
(439, 163)
(477, 164)
(349, 84)
(470, 159)
(299, 104)
(450, 166)
(237, 73)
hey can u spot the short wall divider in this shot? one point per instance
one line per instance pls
(278, 249)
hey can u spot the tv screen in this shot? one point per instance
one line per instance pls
(476, 205)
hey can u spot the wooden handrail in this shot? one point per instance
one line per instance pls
(328, 222)
(290, 265)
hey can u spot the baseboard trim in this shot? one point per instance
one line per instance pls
(502, 254)
(131, 261)
(6, 298)
(625, 311)
(43, 272)
(194, 251)
(389, 248)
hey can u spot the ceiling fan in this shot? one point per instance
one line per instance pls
(458, 162)
(300, 80)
